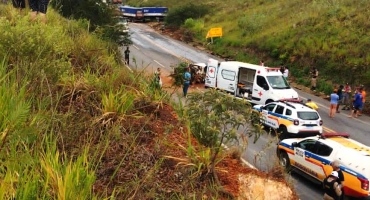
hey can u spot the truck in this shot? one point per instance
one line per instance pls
(143, 13)
(133, 13)
(155, 12)
(258, 84)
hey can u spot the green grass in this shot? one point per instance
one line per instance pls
(330, 35)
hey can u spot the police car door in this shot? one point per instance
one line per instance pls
(268, 117)
(211, 74)
(306, 160)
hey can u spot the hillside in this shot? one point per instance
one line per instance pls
(328, 35)
(77, 124)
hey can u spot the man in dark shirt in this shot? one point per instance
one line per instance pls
(336, 167)
(331, 187)
(340, 94)
(127, 56)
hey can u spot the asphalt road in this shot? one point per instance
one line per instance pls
(152, 50)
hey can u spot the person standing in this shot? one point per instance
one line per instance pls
(357, 103)
(334, 98)
(19, 4)
(314, 75)
(312, 104)
(262, 63)
(346, 97)
(157, 77)
(38, 7)
(286, 73)
(336, 167)
(127, 56)
(187, 78)
(363, 93)
(340, 94)
(331, 187)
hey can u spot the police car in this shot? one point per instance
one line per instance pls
(312, 157)
(290, 117)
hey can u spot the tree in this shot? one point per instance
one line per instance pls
(217, 118)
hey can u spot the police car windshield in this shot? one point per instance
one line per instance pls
(308, 115)
(278, 82)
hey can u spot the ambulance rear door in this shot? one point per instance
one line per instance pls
(211, 73)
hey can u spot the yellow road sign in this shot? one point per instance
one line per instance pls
(214, 32)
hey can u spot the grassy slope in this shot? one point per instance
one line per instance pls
(76, 124)
(328, 34)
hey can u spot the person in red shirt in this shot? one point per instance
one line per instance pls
(363, 92)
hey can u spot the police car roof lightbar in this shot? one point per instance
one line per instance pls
(329, 135)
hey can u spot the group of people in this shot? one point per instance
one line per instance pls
(38, 8)
(342, 95)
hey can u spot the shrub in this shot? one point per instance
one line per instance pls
(177, 16)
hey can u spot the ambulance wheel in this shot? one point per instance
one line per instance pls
(284, 160)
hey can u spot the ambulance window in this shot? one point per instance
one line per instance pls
(324, 150)
(288, 112)
(279, 109)
(261, 81)
(228, 75)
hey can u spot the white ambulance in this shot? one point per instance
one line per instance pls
(258, 84)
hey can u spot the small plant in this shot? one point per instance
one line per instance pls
(217, 118)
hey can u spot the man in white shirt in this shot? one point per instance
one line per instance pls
(286, 73)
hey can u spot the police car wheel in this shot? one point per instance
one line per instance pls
(284, 160)
(283, 133)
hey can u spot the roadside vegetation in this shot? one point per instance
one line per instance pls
(77, 124)
(328, 35)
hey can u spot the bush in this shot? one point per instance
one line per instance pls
(176, 17)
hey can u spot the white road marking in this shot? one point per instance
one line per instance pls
(136, 47)
(159, 64)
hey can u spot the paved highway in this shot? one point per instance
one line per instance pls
(152, 50)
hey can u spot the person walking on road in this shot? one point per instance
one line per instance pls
(312, 104)
(363, 93)
(357, 103)
(336, 167)
(346, 97)
(331, 187)
(127, 56)
(334, 98)
(314, 75)
(187, 78)
(340, 94)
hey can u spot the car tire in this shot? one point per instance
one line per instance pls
(283, 132)
(284, 160)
